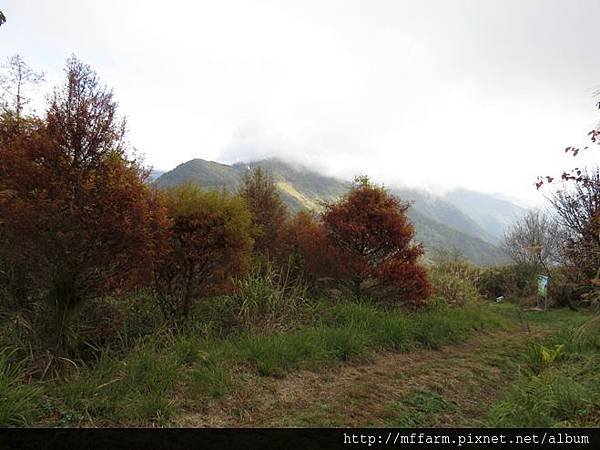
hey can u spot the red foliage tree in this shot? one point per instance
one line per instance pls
(373, 242)
(207, 243)
(78, 219)
(305, 248)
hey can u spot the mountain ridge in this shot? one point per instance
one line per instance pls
(439, 223)
(490, 212)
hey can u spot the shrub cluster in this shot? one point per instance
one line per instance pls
(518, 282)
(511, 281)
(81, 230)
(77, 218)
(453, 279)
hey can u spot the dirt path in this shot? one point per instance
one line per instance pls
(452, 386)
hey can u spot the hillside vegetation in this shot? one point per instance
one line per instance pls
(127, 303)
(439, 223)
(347, 364)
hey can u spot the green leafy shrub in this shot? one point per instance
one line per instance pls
(549, 355)
(268, 212)
(560, 385)
(511, 281)
(207, 243)
(453, 262)
(452, 290)
(453, 280)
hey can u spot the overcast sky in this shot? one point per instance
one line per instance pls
(476, 94)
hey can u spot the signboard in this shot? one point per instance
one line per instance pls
(542, 286)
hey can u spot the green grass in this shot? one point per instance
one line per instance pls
(418, 409)
(158, 377)
(552, 318)
(186, 350)
(561, 383)
(19, 402)
(164, 376)
(209, 380)
(319, 416)
(132, 391)
(453, 388)
(355, 331)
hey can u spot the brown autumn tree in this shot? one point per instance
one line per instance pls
(207, 243)
(78, 219)
(373, 241)
(268, 211)
(577, 206)
(305, 249)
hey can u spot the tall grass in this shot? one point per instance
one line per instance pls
(453, 280)
(560, 386)
(269, 300)
(19, 401)
(135, 390)
(161, 375)
(264, 301)
(354, 331)
(268, 327)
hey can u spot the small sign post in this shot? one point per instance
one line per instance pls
(543, 290)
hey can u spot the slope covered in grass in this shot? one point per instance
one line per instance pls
(163, 376)
(353, 365)
(453, 385)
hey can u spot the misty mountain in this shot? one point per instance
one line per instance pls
(299, 187)
(491, 212)
(443, 212)
(207, 174)
(439, 223)
(155, 174)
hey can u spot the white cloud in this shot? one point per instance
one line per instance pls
(482, 95)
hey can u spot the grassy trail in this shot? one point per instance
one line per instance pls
(481, 365)
(451, 386)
